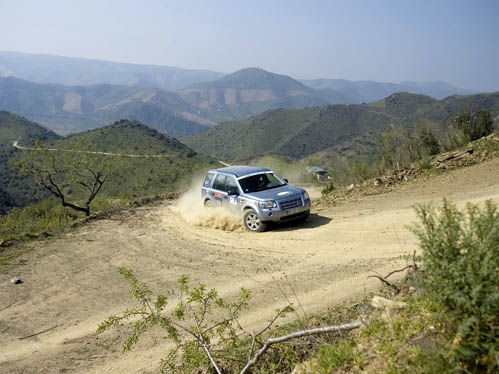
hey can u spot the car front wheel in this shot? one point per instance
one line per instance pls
(252, 222)
(209, 203)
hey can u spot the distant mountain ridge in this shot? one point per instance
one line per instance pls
(248, 92)
(70, 109)
(175, 101)
(369, 91)
(72, 71)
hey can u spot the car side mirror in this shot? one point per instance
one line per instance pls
(285, 180)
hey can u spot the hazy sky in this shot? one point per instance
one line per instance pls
(456, 41)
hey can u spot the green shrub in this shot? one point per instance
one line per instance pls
(47, 218)
(475, 124)
(461, 267)
(328, 188)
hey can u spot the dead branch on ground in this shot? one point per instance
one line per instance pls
(384, 279)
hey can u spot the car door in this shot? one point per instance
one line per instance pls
(220, 190)
(233, 192)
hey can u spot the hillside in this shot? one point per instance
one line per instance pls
(17, 189)
(143, 175)
(441, 110)
(248, 92)
(140, 176)
(341, 129)
(72, 71)
(66, 109)
(367, 91)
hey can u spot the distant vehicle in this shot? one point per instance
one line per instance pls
(258, 193)
(321, 174)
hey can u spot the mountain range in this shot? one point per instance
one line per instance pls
(349, 92)
(71, 109)
(80, 94)
(71, 71)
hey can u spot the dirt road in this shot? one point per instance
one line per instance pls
(70, 285)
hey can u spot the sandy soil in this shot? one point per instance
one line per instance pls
(71, 284)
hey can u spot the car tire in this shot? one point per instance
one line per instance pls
(208, 203)
(252, 222)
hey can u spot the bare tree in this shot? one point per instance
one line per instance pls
(74, 175)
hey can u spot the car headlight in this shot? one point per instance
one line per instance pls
(305, 196)
(269, 204)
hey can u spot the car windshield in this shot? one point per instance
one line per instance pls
(261, 182)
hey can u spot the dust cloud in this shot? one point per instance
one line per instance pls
(191, 208)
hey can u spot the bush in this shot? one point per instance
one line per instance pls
(471, 125)
(328, 188)
(46, 218)
(461, 267)
(399, 148)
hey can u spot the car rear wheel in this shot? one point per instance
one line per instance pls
(252, 222)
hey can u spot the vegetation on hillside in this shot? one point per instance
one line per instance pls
(292, 133)
(164, 165)
(334, 131)
(401, 153)
(17, 190)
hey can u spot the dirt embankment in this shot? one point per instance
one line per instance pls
(70, 285)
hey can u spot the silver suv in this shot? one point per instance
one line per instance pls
(258, 193)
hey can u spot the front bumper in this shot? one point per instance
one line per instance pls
(278, 214)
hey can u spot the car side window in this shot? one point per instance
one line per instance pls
(208, 180)
(219, 183)
(232, 188)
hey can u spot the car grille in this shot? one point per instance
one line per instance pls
(290, 203)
